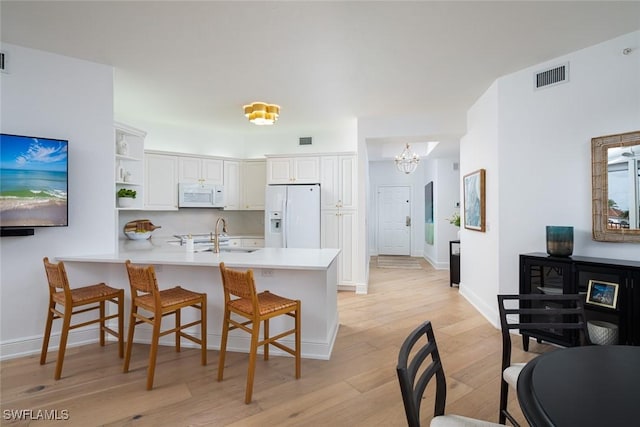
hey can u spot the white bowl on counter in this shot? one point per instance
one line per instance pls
(138, 235)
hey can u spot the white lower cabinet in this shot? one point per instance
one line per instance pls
(339, 230)
(160, 182)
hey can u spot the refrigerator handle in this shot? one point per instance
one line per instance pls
(285, 220)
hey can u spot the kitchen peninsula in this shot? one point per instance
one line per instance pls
(309, 275)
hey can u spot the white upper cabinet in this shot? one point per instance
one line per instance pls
(161, 182)
(201, 170)
(338, 181)
(293, 170)
(232, 189)
(254, 183)
(244, 184)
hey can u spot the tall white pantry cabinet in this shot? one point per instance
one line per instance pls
(338, 183)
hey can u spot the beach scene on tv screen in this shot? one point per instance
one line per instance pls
(33, 181)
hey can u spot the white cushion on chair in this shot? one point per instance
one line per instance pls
(511, 374)
(460, 421)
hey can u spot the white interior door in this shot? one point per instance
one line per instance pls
(394, 220)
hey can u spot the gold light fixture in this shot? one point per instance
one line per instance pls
(261, 113)
(407, 161)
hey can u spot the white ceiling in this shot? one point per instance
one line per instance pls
(325, 63)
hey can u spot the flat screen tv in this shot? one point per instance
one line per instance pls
(33, 182)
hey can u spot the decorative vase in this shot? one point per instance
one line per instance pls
(125, 202)
(122, 147)
(559, 240)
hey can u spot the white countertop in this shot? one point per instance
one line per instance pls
(161, 253)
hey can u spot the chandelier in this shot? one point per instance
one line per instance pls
(407, 161)
(261, 113)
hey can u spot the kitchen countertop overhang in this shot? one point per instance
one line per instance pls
(162, 253)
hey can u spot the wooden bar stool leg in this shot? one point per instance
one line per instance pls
(298, 346)
(121, 324)
(203, 329)
(102, 323)
(178, 331)
(266, 338)
(47, 333)
(223, 343)
(255, 332)
(66, 322)
(154, 350)
(132, 325)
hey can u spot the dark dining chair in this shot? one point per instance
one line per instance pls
(553, 314)
(412, 389)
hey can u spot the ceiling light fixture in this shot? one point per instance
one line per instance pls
(407, 161)
(261, 113)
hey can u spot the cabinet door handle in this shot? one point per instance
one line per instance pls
(408, 221)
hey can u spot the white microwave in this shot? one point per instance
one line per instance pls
(192, 195)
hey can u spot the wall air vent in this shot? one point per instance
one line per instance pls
(305, 140)
(552, 76)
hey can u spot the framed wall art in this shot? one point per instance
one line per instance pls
(604, 294)
(428, 213)
(474, 200)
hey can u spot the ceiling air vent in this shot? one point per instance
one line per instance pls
(552, 76)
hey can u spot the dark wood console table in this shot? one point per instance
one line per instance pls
(454, 263)
(541, 273)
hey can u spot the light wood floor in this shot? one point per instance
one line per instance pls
(357, 387)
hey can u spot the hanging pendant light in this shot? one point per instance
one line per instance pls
(261, 113)
(407, 161)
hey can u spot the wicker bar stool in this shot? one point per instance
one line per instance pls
(257, 308)
(146, 295)
(69, 299)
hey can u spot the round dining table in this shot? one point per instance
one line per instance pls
(582, 386)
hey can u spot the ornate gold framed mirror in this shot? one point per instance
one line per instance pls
(615, 174)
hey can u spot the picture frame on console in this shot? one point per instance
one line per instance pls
(603, 294)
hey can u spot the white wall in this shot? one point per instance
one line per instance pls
(479, 251)
(255, 143)
(543, 141)
(446, 194)
(53, 96)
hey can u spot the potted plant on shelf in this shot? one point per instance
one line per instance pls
(455, 220)
(125, 197)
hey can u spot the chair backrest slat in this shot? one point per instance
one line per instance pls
(240, 284)
(408, 368)
(142, 278)
(540, 312)
(57, 279)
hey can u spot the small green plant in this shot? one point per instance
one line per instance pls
(126, 192)
(454, 219)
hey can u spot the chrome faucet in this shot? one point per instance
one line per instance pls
(216, 235)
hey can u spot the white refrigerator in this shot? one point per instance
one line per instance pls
(292, 216)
